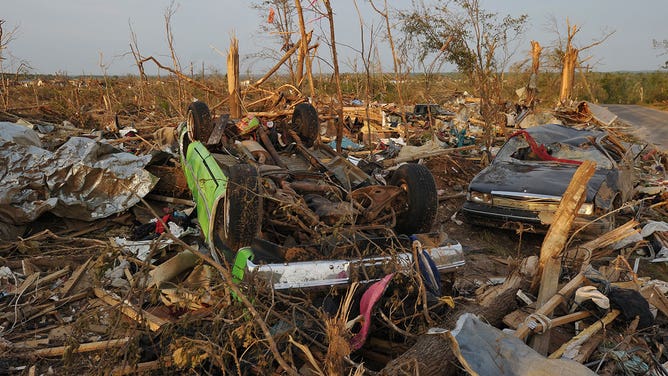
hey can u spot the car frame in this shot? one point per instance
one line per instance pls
(265, 193)
(524, 183)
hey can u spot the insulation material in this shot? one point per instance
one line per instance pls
(83, 179)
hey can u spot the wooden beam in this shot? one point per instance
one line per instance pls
(563, 320)
(588, 348)
(84, 347)
(549, 267)
(53, 276)
(584, 335)
(546, 309)
(74, 279)
(152, 321)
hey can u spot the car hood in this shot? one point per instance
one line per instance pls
(546, 179)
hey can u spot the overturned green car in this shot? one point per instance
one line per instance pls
(274, 201)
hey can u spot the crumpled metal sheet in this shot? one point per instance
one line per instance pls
(83, 179)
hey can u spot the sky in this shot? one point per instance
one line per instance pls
(81, 37)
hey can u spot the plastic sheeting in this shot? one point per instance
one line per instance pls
(83, 179)
(486, 350)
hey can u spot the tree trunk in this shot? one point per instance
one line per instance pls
(432, 356)
(568, 70)
(233, 79)
(335, 61)
(532, 86)
(302, 46)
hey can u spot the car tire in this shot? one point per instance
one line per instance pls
(305, 123)
(238, 223)
(199, 123)
(422, 198)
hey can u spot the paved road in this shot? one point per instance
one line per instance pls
(650, 125)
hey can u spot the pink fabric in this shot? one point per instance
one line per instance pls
(368, 301)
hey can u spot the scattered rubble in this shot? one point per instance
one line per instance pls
(134, 289)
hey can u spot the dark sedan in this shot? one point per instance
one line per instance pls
(523, 185)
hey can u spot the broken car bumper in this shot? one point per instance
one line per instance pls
(327, 273)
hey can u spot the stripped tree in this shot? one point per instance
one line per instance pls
(279, 16)
(568, 54)
(478, 42)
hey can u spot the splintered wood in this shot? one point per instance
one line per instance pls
(549, 267)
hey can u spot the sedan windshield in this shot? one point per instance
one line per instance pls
(518, 149)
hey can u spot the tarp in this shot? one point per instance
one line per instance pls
(83, 179)
(485, 350)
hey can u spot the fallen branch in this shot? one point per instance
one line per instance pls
(84, 347)
(179, 75)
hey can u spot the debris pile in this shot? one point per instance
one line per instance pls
(125, 284)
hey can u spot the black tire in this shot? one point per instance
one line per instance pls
(422, 198)
(239, 214)
(200, 124)
(305, 123)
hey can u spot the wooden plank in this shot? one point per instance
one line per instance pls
(219, 127)
(29, 281)
(55, 275)
(30, 333)
(523, 330)
(31, 343)
(655, 298)
(515, 318)
(584, 335)
(152, 321)
(75, 277)
(549, 267)
(611, 237)
(84, 347)
(589, 347)
(563, 320)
